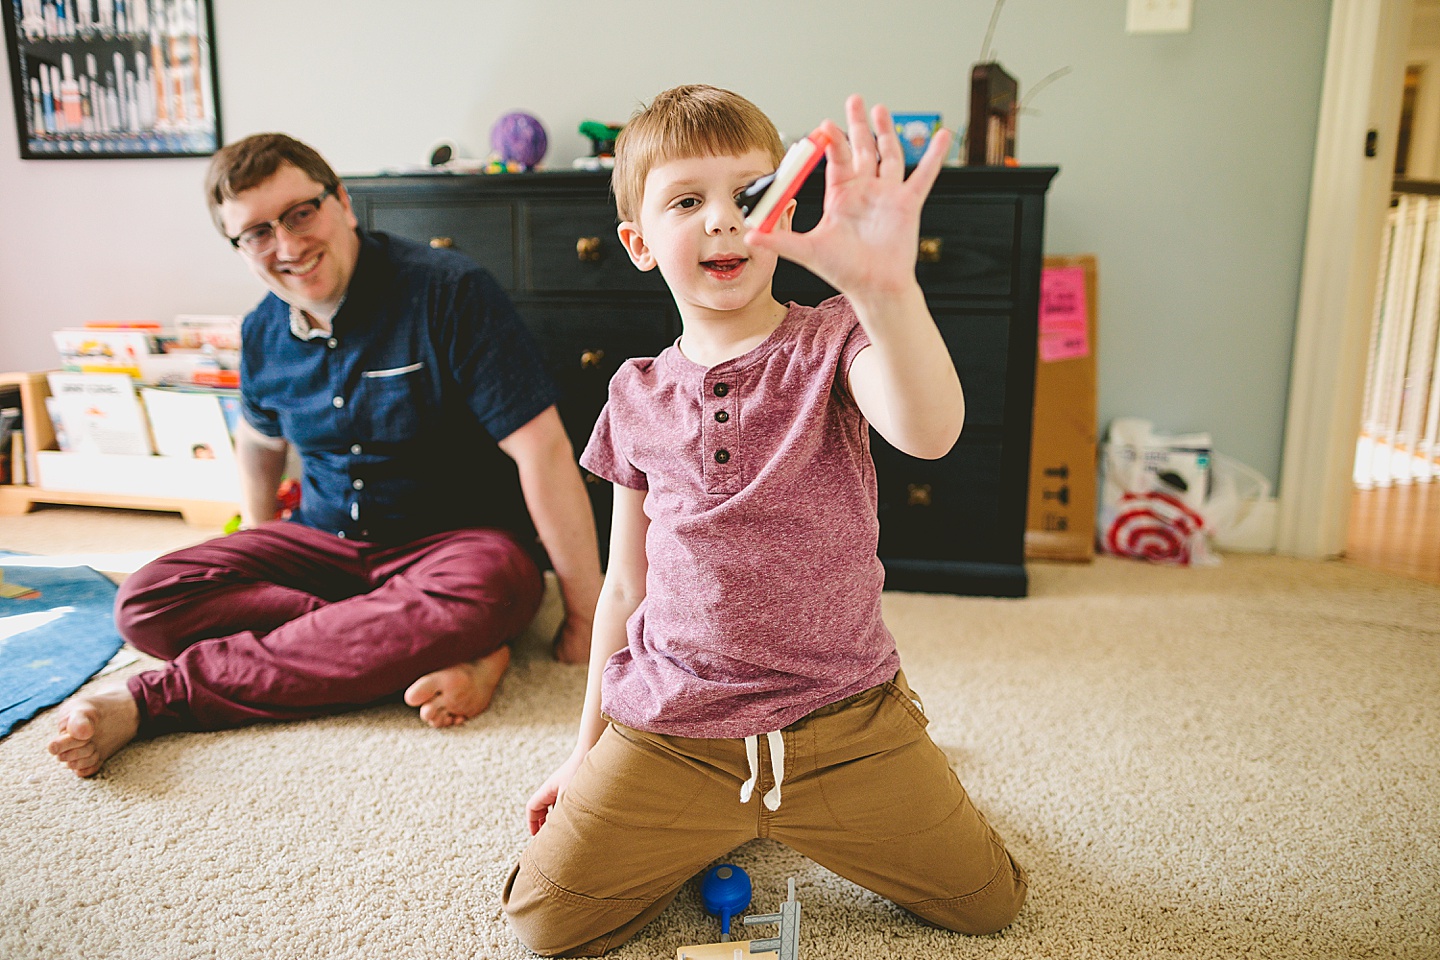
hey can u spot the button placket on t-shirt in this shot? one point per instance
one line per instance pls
(720, 433)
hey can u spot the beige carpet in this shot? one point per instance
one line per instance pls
(1232, 762)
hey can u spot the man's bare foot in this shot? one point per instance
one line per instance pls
(94, 726)
(455, 694)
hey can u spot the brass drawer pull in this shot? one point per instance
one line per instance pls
(590, 359)
(588, 249)
(917, 495)
(441, 243)
(930, 249)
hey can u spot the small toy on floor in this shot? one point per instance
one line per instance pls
(725, 892)
(784, 946)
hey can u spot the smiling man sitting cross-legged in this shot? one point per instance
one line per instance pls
(432, 456)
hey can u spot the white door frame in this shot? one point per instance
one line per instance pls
(1364, 73)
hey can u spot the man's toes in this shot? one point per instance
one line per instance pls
(80, 724)
(434, 714)
(422, 690)
(76, 753)
(67, 738)
(85, 769)
(82, 760)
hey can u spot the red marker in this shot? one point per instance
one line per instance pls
(779, 188)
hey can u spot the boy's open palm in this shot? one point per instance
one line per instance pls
(867, 238)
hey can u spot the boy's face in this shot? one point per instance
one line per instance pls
(690, 227)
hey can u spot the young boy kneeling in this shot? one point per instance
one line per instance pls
(742, 683)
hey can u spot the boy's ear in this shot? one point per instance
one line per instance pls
(788, 217)
(634, 244)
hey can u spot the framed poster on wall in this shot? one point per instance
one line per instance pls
(96, 79)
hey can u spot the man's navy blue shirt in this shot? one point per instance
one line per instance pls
(397, 414)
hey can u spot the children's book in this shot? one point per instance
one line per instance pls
(87, 350)
(100, 413)
(188, 423)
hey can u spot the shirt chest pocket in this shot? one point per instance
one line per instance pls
(389, 402)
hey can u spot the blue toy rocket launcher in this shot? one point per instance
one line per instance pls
(725, 892)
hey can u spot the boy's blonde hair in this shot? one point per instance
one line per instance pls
(694, 120)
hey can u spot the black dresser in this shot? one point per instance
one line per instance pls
(954, 525)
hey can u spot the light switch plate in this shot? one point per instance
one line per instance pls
(1158, 16)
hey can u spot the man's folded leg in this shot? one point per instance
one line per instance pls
(446, 599)
(253, 580)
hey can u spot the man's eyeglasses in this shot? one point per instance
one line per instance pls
(299, 220)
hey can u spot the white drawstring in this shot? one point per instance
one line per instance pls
(777, 766)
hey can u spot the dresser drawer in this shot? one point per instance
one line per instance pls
(483, 231)
(980, 346)
(946, 509)
(595, 339)
(574, 249)
(584, 344)
(967, 248)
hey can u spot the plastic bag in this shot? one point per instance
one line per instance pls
(1153, 495)
(1235, 491)
(1168, 499)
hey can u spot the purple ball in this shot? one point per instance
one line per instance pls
(519, 138)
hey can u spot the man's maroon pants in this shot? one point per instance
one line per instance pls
(284, 622)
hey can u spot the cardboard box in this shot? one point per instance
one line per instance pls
(1060, 519)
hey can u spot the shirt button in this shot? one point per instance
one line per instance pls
(355, 449)
(358, 484)
(340, 534)
(332, 343)
(721, 389)
(721, 416)
(338, 402)
(722, 456)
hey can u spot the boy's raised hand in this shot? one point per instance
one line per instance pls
(867, 238)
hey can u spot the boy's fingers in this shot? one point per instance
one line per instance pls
(892, 158)
(925, 172)
(837, 154)
(861, 140)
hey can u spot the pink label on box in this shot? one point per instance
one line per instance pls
(1064, 314)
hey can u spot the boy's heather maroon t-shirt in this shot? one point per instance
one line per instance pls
(763, 594)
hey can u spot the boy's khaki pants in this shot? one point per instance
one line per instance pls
(865, 793)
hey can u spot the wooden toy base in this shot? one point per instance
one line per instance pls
(723, 951)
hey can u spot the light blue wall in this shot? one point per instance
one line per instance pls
(1185, 159)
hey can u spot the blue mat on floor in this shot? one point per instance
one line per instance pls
(51, 644)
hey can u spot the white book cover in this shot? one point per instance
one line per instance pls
(101, 413)
(187, 423)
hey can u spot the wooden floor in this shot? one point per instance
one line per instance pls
(1397, 529)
